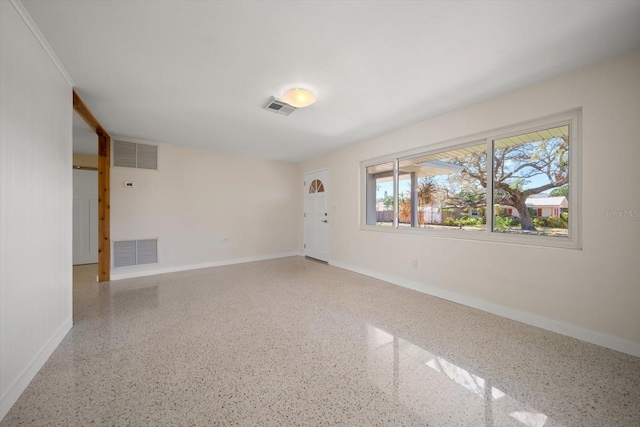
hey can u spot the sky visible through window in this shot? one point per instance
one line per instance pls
(386, 187)
(453, 188)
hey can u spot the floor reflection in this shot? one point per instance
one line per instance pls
(439, 390)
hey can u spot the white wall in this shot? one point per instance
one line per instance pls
(35, 204)
(592, 294)
(207, 209)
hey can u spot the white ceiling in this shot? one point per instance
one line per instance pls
(196, 73)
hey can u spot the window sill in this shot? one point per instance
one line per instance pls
(481, 236)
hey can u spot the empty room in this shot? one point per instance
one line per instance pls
(319, 213)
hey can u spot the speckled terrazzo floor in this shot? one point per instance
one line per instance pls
(295, 342)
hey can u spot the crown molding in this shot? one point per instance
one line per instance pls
(43, 42)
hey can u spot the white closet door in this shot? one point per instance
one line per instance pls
(85, 217)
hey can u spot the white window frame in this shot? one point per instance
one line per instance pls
(571, 118)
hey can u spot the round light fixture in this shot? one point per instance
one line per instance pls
(299, 98)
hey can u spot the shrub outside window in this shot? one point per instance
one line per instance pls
(530, 190)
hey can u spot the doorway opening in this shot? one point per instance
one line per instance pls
(104, 192)
(85, 194)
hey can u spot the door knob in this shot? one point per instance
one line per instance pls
(324, 220)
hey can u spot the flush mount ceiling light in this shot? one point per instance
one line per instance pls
(299, 98)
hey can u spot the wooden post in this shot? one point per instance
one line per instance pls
(104, 189)
(104, 204)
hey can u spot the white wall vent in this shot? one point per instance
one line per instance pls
(124, 154)
(279, 107)
(127, 253)
(132, 155)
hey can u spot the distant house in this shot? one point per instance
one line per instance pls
(543, 206)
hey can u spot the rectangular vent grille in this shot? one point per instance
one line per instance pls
(124, 253)
(147, 251)
(132, 155)
(124, 154)
(279, 107)
(147, 156)
(127, 253)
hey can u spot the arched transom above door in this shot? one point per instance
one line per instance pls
(316, 186)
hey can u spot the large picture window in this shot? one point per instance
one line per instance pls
(531, 183)
(443, 189)
(507, 185)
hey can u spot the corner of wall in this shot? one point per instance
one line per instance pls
(15, 390)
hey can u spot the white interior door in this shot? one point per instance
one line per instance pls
(85, 217)
(316, 215)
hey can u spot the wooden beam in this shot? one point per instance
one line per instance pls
(104, 187)
(104, 207)
(86, 114)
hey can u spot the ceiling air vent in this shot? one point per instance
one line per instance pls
(132, 155)
(278, 107)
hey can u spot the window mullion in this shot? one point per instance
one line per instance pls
(396, 186)
(490, 205)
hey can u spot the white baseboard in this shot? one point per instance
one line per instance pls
(573, 331)
(20, 384)
(124, 274)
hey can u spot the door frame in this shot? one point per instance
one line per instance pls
(328, 198)
(104, 187)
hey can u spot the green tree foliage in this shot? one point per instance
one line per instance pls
(561, 191)
(515, 166)
(501, 223)
(388, 202)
